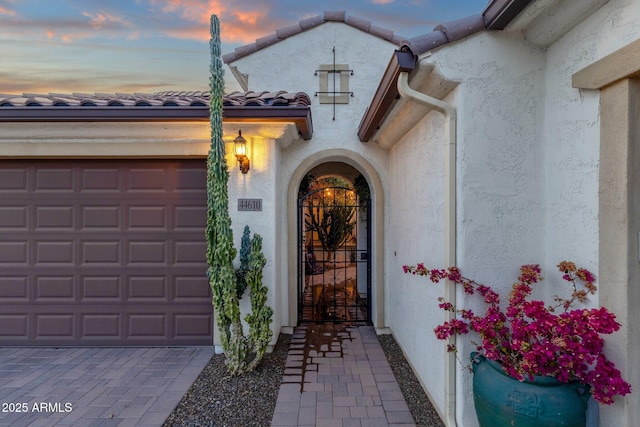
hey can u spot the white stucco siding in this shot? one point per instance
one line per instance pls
(258, 183)
(500, 200)
(572, 132)
(290, 65)
(500, 215)
(415, 234)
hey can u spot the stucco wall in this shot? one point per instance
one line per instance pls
(500, 199)
(572, 132)
(258, 183)
(415, 234)
(528, 179)
(290, 65)
(572, 144)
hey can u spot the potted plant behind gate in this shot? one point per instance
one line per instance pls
(535, 364)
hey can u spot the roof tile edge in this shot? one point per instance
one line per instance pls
(309, 23)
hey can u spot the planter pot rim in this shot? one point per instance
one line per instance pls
(541, 380)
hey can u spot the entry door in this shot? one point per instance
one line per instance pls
(334, 252)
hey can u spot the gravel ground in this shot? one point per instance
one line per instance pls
(217, 400)
(419, 404)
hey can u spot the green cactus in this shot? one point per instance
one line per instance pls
(241, 272)
(242, 353)
(261, 314)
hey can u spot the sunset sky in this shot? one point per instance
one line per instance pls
(64, 46)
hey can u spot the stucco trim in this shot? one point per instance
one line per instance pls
(377, 196)
(300, 116)
(622, 63)
(619, 204)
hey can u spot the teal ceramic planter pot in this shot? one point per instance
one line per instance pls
(503, 401)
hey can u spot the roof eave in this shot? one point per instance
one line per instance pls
(300, 116)
(497, 15)
(386, 93)
(500, 13)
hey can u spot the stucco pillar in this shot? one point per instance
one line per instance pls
(619, 223)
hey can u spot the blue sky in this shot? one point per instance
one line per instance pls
(64, 46)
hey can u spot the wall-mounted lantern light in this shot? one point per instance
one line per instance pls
(240, 150)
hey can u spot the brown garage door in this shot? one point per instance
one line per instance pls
(103, 253)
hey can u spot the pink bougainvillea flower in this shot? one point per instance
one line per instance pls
(528, 338)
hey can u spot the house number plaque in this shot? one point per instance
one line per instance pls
(249, 204)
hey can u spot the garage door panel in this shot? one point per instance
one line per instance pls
(147, 288)
(54, 217)
(55, 252)
(187, 179)
(13, 179)
(100, 180)
(146, 253)
(14, 288)
(187, 253)
(54, 325)
(188, 288)
(104, 253)
(14, 327)
(192, 325)
(147, 217)
(13, 254)
(49, 288)
(54, 180)
(103, 218)
(13, 218)
(147, 180)
(147, 326)
(100, 289)
(190, 218)
(102, 326)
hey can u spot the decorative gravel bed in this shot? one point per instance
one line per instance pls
(419, 404)
(218, 400)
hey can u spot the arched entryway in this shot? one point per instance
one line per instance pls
(360, 166)
(334, 245)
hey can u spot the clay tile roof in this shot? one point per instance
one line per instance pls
(445, 33)
(306, 24)
(277, 106)
(159, 99)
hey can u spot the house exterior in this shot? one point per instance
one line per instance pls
(522, 152)
(543, 171)
(104, 207)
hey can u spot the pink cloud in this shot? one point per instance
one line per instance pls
(7, 11)
(99, 20)
(98, 24)
(238, 25)
(382, 1)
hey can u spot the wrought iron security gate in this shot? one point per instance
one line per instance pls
(334, 252)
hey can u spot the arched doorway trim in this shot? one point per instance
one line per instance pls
(377, 199)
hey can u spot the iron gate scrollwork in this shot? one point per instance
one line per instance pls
(334, 247)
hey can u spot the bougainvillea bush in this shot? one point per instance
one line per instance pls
(529, 338)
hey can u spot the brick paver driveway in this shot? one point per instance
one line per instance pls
(95, 386)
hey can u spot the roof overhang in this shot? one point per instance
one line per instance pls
(496, 16)
(386, 94)
(298, 115)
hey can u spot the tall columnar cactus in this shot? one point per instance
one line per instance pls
(242, 353)
(220, 250)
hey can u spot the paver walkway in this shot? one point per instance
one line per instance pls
(338, 376)
(95, 386)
